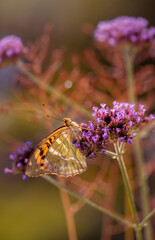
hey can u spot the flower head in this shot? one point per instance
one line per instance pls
(19, 159)
(11, 48)
(124, 29)
(119, 123)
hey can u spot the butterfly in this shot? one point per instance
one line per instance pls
(56, 154)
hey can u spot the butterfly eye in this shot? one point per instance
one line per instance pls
(67, 121)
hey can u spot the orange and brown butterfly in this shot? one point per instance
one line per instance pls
(56, 154)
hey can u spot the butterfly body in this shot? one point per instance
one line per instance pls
(56, 154)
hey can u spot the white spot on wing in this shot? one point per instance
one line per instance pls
(58, 141)
(52, 150)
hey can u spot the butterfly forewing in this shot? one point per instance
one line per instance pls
(56, 154)
(35, 166)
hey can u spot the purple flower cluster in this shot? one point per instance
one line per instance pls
(119, 123)
(124, 29)
(19, 159)
(11, 48)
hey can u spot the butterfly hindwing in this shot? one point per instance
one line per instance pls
(63, 158)
(56, 154)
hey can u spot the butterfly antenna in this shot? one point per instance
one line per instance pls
(48, 116)
(50, 110)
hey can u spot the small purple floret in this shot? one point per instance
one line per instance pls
(103, 151)
(7, 170)
(95, 138)
(121, 139)
(129, 140)
(24, 177)
(25, 160)
(77, 145)
(12, 156)
(92, 155)
(19, 165)
(134, 135)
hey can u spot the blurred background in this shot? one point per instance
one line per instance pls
(33, 209)
(28, 18)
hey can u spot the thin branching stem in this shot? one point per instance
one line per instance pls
(128, 190)
(89, 202)
(70, 219)
(121, 147)
(147, 218)
(112, 154)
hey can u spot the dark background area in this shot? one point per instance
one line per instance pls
(27, 18)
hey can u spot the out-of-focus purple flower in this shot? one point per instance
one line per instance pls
(119, 123)
(19, 159)
(11, 49)
(124, 29)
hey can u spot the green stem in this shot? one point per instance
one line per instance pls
(112, 154)
(129, 57)
(126, 183)
(128, 54)
(50, 89)
(128, 190)
(138, 233)
(121, 147)
(147, 218)
(94, 205)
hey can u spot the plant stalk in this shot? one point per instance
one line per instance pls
(147, 218)
(129, 54)
(72, 234)
(128, 190)
(89, 202)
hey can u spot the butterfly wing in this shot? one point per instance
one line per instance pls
(56, 154)
(35, 166)
(63, 158)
